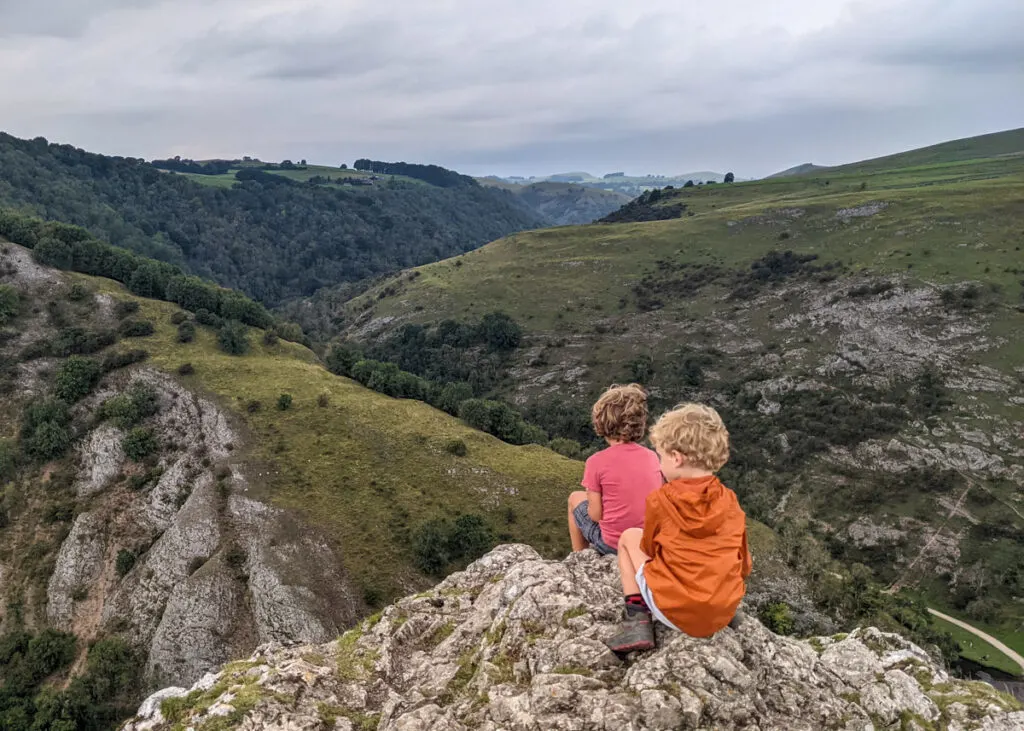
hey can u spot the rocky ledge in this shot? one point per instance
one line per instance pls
(514, 642)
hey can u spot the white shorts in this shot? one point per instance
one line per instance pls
(645, 592)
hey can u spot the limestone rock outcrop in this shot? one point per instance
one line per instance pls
(515, 642)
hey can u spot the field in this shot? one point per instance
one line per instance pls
(227, 179)
(976, 649)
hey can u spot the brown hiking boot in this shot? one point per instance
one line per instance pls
(637, 633)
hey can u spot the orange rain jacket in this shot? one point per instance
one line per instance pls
(696, 535)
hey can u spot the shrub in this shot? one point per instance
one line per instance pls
(136, 328)
(76, 377)
(139, 443)
(186, 369)
(452, 395)
(500, 332)
(284, 402)
(78, 292)
(253, 406)
(205, 317)
(44, 429)
(566, 447)
(323, 400)
(233, 338)
(76, 341)
(186, 332)
(476, 413)
(128, 409)
(456, 447)
(439, 543)
(124, 308)
(179, 317)
(778, 617)
(269, 337)
(125, 561)
(10, 303)
(113, 361)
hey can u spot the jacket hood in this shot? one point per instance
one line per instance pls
(698, 506)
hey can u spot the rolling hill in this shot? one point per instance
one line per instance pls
(562, 204)
(858, 326)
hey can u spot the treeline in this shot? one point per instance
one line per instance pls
(264, 237)
(212, 167)
(433, 174)
(643, 208)
(73, 248)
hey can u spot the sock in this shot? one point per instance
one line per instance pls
(635, 604)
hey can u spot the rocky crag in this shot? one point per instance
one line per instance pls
(170, 553)
(514, 642)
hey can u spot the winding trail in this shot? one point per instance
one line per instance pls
(1016, 657)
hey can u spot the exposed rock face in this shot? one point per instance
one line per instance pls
(217, 572)
(514, 642)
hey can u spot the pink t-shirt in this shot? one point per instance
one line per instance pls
(624, 474)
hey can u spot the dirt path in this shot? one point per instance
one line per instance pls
(987, 637)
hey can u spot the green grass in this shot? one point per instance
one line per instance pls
(367, 468)
(227, 179)
(972, 148)
(974, 648)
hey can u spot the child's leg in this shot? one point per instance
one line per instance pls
(575, 535)
(630, 559)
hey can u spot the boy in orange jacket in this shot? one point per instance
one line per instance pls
(688, 564)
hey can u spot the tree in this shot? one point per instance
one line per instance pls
(729, 177)
(233, 338)
(500, 332)
(76, 378)
(688, 184)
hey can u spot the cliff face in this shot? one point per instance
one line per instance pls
(172, 554)
(514, 642)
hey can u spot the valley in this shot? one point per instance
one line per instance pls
(858, 326)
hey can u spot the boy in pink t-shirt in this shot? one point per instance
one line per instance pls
(617, 479)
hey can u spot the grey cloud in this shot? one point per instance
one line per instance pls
(57, 18)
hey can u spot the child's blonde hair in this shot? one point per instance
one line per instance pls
(621, 413)
(695, 430)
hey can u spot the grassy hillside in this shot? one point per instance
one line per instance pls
(857, 326)
(339, 178)
(1009, 142)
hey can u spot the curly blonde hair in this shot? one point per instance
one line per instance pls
(621, 413)
(695, 430)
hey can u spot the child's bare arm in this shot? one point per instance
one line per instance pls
(595, 509)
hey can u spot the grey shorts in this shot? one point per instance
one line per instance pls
(645, 592)
(591, 530)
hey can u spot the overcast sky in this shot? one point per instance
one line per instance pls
(513, 86)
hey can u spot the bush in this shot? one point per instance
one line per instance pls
(10, 303)
(113, 361)
(205, 317)
(323, 400)
(452, 395)
(78, 292)
(253, 406)
(186, 332)
(778, 617)
(179, 317)
(269, 337)
(233, 338)
(341, 358)
(500, 332)
(186, 369)
(76, 377)
(125, 561)
(136, 328)
(76, 341)
(439, 543)
(566, 447)
(139, 443)
(44, 429)
(284, 402)
(456, 447)
(128, 409)
(124, 308)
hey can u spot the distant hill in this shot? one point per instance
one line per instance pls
(997, 144)
(807, 167)
(631, 185)
(274, 232)
(560, 204)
